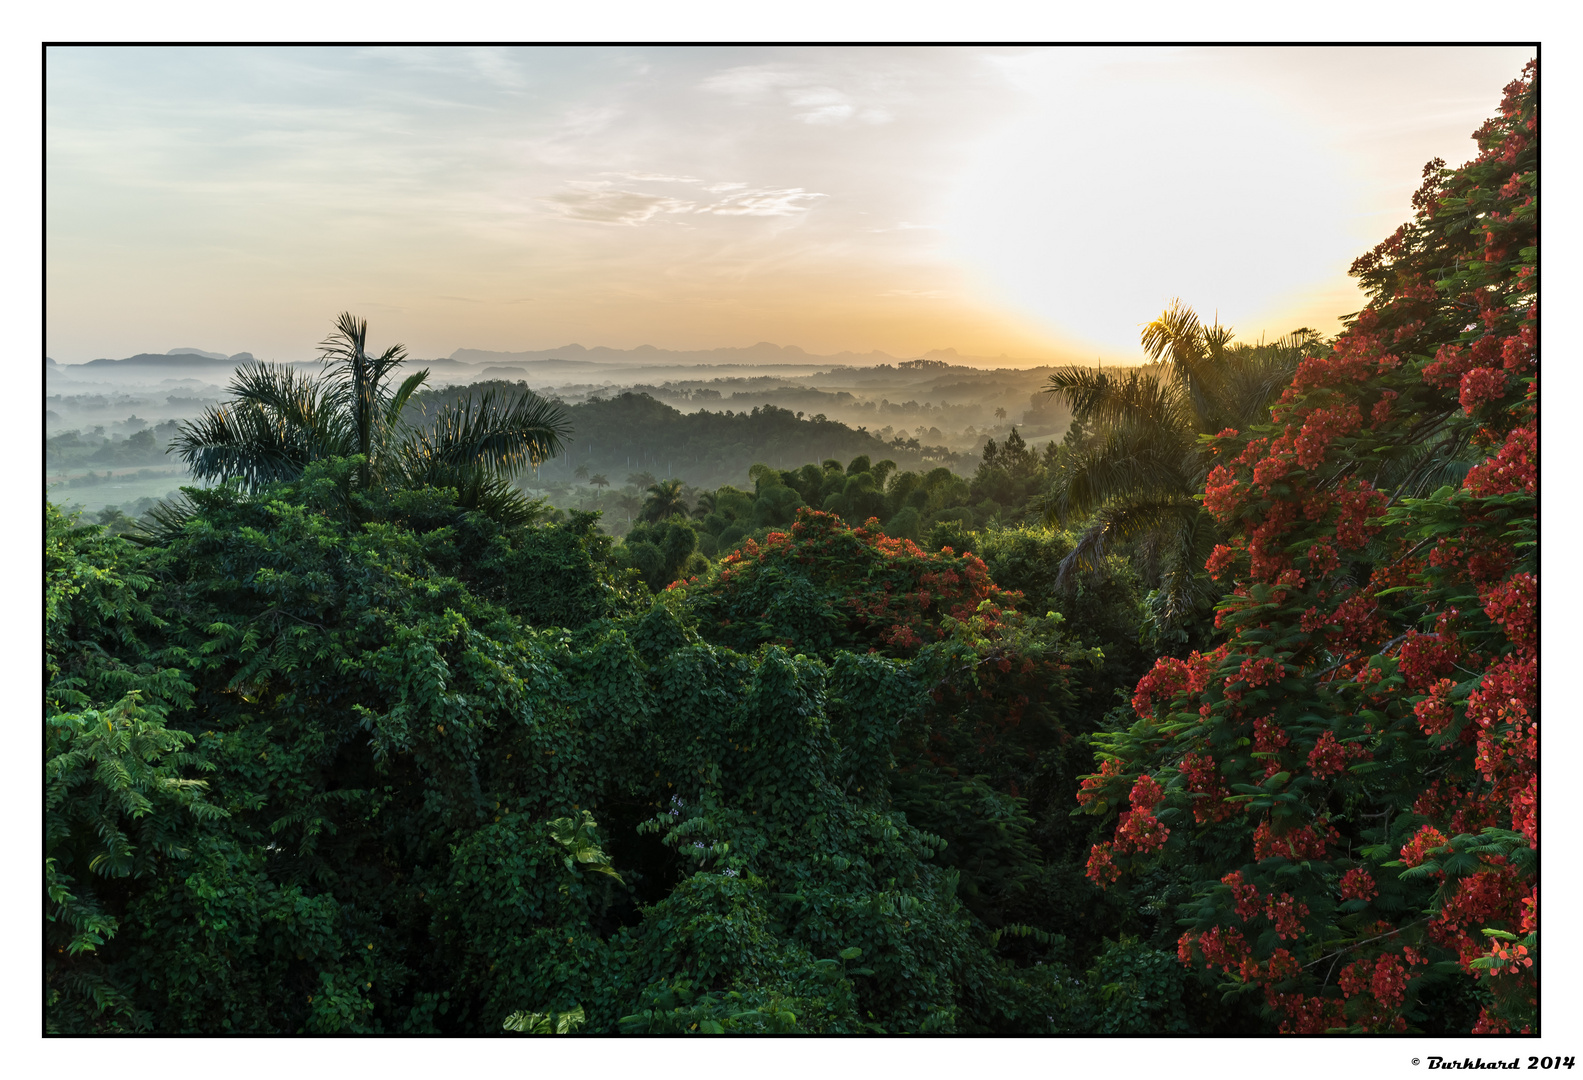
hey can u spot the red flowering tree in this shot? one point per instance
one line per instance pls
(998, 678)
(986, 740)
(823, 586)
(1356, 762)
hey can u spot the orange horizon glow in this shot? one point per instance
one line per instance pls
(1040, 204)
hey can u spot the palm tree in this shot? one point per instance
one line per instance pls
(599, 480)
(708, 503)
(665, 498)
(630, 503)
(1140, 468)
(278, 421)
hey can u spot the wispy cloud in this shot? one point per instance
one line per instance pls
(809, 93)
(600, 201)
(763, 202)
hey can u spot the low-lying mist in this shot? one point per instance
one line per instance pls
(109, 423)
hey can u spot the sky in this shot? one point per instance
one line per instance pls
(1039, 203)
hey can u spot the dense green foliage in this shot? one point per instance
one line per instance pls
(632, 432)
(907, 503)
(74, 449)
(304, 777)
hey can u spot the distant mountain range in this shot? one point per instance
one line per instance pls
(184, 358)
(764, 353)
(569, 359)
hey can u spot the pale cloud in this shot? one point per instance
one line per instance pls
(750, 81)
(599, 201)
(807, 92)
(763, 202)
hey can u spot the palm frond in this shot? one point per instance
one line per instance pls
(300, 402)
(1177, 335)
(1122, 521)
(164, 522)
(398, 400)
(359, 382)
(501, 436)
(1130, 460)
(1184, 586)
(1104, 398)
(665, 499)
(246, 441)
(1246, 389)
(1421, 467)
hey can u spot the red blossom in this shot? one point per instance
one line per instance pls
(1330, 758)
(1244, 896)
(1512, 604)
(1093, 786)
(1416, 850)
(1101, 869)
(1481, 386)
(1304, 842)
(1287, 913)
(1146, 793)
(1140, 831)
(1358, 884)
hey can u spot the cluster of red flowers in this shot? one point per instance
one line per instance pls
(1170, 677)
(1385, 980)
(1512, 604)
(1093, 787)
(1256, 671)
(1425, 840)
(1330, 758)
(1321, 427)
(1140, 831)
(1358, 884)
(1514, 468)
(1303, 842)
(1204, 780)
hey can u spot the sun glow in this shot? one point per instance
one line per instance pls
(1102, 199)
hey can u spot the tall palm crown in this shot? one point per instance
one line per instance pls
(278, 421)
(1139, 469)
(664, 499)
